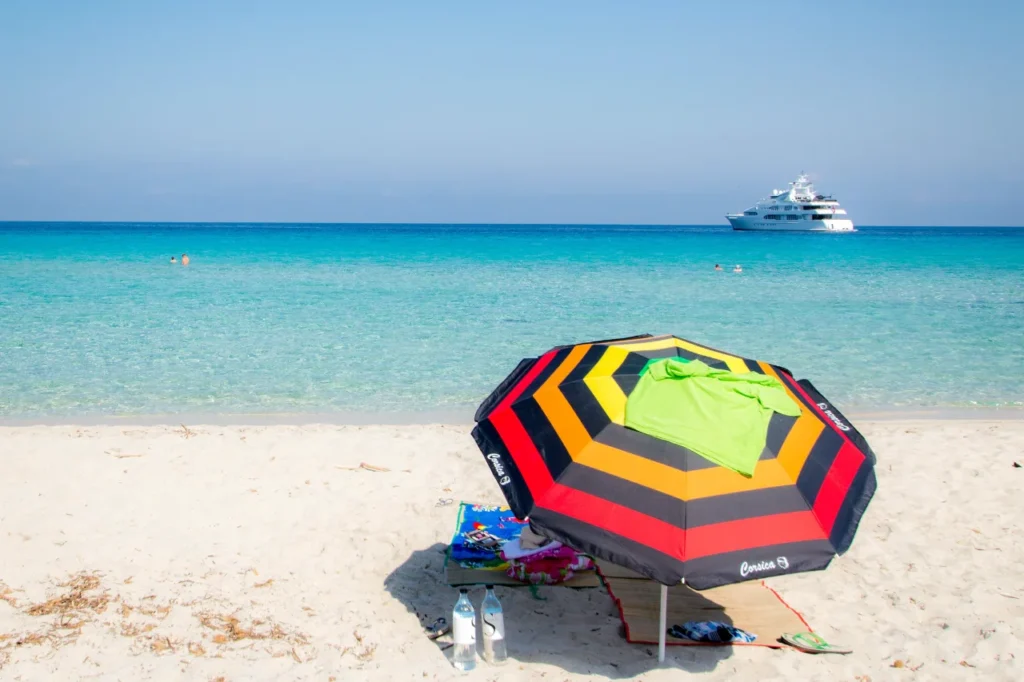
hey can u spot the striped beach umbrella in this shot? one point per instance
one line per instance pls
(553, 435)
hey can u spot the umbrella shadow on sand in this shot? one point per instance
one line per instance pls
(577, 630)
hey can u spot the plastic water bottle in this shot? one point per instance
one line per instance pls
(494, 650)
(464, 632)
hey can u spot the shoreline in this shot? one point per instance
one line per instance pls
(452, 417)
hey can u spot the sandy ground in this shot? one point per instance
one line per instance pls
(266, 552)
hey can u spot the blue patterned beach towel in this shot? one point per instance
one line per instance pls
(711, 631)
(480, 532)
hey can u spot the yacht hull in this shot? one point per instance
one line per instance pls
(749, 224)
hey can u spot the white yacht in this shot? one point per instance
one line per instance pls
(797, 209)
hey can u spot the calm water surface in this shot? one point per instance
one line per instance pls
(94, 320)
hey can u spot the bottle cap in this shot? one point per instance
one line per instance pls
(489, 587)
(463, 590)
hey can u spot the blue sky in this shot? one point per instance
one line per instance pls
(643, 112)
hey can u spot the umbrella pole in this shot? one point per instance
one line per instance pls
(662, 622)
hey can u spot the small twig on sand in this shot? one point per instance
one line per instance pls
(188, 432)
(7, 595)
(366, 467)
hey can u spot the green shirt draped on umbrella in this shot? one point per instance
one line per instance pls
(718, 414)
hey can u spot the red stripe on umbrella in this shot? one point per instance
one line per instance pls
(760, 531)
(630, 524)
(836, 484)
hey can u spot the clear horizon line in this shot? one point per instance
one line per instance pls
(462, 223)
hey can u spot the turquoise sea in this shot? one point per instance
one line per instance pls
(417, 319)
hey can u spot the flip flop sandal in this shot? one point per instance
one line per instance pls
(438, 628)
(812, 644)
(677, 632)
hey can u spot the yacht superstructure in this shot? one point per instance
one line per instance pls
(797, 209)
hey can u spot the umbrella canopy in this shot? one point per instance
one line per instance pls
(553, 435)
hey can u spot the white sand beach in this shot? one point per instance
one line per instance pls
(267, 552)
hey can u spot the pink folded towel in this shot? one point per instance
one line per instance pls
(513, 549)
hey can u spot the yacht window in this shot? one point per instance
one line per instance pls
(792, 217)
(750, 213)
